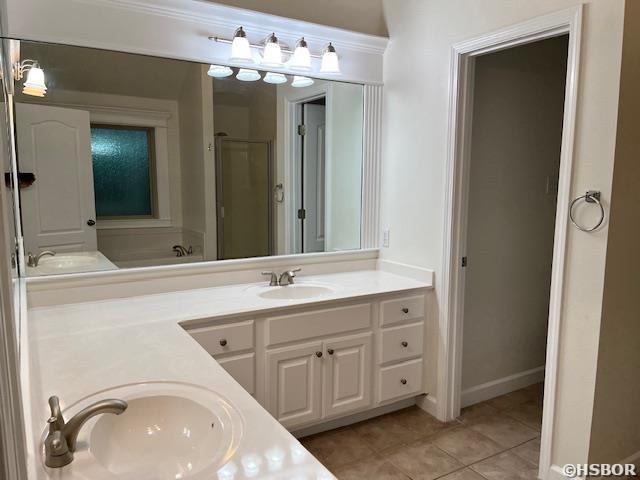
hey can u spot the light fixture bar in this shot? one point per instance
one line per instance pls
(284, 49)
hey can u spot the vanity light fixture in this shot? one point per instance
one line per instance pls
(248, 75)
(240, 47)
(301, 59)
(34, 85)
(330, 63)
(300, 82)
(272, 53)
(219, 71)
(275, 78)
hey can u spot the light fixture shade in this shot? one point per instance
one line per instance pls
(330, 63)
(248, 75)
(275, 78)
(35, 85)
(300, 82)
(271, 53)
(301, 58)
(240, 48)
(219, 71)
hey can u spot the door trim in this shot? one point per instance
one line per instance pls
(568, 21)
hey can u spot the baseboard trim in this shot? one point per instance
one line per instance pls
(355, 418)
(429, 404)
(555, 473)
(492, 389)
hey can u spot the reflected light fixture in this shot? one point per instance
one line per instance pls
(330, 63)
(272, 53)
(300, 82)
(240, 47)
(301, 59)
(34, 85)
(275, 78)
(219, 71)
(248, 75)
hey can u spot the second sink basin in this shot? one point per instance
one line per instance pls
(297, 291)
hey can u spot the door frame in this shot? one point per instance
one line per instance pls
(463, 54)
(219, 190)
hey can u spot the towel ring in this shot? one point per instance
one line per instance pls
(592, 196)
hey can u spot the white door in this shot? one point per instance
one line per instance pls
(58, 210)
(294, 379)
(313, 178)
(347, 374)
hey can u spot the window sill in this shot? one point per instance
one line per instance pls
(134, 223)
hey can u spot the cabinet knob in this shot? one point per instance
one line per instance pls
(91, 222)
(223, 343)
(330, 351)
(403, 381)
(405, 310)
(405, 344)
(319, 354)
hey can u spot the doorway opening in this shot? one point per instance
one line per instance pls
(310, 178)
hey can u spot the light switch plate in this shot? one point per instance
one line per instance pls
(385, 238)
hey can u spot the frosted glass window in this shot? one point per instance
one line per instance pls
(122, 170)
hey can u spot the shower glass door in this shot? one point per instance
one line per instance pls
(243, 177)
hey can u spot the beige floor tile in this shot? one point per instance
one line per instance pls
(535, 392)
(478, 410)
(529, 451)
(422, 460)
(506, 466)
(385, 432)
(420, 422)
(529, 413)
(337, 448)
(466, 474)
(466, 445)
(503, 430)
(373, 469)
(508, 400)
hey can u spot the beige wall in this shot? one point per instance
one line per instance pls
(516, 139)
(359, 15)
(615, 434)
(416, 75)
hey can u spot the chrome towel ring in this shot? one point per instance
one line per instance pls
(592, 196)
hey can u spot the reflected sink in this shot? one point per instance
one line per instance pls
(169, 431)
(297, 291)
(67, 261)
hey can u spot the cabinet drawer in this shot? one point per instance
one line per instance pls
(401, 309)
(228, 338)
(318, 323)
(242, 369)
(400, 380)
(400, 343)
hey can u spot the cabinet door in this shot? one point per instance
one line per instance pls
(347, 374)
(294, 383)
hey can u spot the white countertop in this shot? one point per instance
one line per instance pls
(71, 262)
(79, 349)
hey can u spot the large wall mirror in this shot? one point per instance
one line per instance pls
(133, 161)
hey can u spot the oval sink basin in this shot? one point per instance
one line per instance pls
(169, 431)
(296, 292)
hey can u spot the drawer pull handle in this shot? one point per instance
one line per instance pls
(403, 381)
(223, 343)
(319, 354)
(405, 344)
(405, 310)
(330, 351)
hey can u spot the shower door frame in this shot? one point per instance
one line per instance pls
(219, 191)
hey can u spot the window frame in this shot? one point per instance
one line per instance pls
(153, 182)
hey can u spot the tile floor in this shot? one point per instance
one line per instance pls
(494, 440)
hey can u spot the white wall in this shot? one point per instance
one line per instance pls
(615, 433)
(416, 75)
(518, 107)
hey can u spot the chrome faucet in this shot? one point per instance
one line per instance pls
(286, 278)
(34, 260)
(63, 436)
(273, 278)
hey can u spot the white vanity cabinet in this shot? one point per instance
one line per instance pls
(319, 363)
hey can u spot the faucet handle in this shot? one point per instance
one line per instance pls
(56, 421)
(273, 278)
